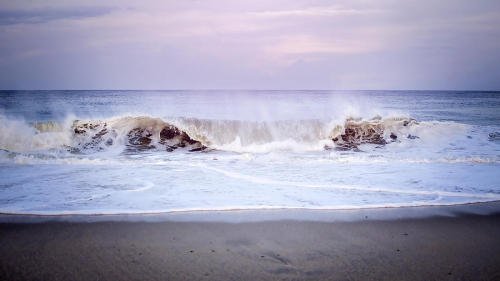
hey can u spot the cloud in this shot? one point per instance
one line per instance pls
(315, 11)
(249, 44)
(42, 15)
(312, 45)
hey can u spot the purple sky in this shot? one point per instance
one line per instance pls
(228, 44)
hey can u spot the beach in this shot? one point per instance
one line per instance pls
(249, 140)
(459, 245)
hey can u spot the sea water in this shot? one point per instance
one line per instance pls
(108, 152)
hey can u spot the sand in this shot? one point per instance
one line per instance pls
(463, 247)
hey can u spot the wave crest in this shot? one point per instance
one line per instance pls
(145, 133)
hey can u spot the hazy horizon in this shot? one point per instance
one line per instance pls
(258, 90)
(236, 45)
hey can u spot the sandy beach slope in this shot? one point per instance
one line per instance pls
(463, 247)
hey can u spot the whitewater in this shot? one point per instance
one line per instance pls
(116, 152)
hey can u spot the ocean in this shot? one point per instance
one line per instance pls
(110, 152)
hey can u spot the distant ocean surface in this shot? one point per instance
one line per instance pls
(108, 152)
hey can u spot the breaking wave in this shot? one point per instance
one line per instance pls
(138, 133)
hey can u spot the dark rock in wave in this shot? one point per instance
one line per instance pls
(495, 136)
(95, 135)
(357, 132)
(169, 133)
(174, 138)
(140, 139)
(91, 135)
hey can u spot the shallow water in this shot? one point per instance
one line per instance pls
(261, 149)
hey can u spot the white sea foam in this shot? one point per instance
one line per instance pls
(19, 136)
(258, 180)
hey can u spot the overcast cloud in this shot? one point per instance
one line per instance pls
(283, 44)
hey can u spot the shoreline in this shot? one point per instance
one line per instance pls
(278, 213)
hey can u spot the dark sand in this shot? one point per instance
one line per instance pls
(466, 247)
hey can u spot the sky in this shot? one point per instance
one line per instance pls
(257, 44)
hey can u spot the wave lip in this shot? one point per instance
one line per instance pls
(142, 133)
(138, 133)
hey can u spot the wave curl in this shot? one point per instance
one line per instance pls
(137, 133)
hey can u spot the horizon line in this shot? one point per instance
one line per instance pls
(288, 90)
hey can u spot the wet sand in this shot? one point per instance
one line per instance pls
(464, 247)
